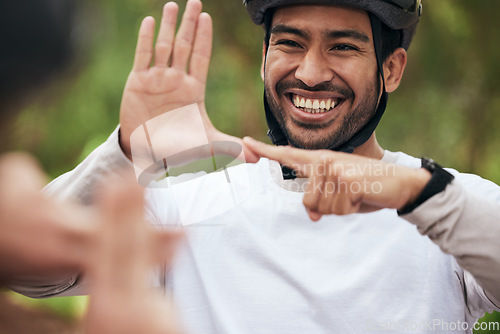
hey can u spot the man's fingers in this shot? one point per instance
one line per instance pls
(185, 36)
(200, 59)
(144, 49)
(344, 205)
(315, 216)
(331, 194)
(294, 158)
(251, 149)
(314, 191)
(166, 35)
(366, 208)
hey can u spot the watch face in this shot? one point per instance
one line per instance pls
(437, 171)
(429, 164)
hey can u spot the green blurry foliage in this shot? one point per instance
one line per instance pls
(68, 308)
(447, 107)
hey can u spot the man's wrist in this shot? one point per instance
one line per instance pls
(420, 179)
(125, 148)
(439, 179)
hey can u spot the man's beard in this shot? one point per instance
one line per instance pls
(351, 122)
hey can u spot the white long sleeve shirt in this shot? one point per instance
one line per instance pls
(253, 262)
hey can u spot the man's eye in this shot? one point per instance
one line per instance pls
(344, 47)
(290, 43)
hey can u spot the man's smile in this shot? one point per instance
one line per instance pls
(313, 106)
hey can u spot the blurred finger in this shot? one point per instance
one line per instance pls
(122, 198)
(166, 35)
(144, 49)
(164, 245)
(185, 36)
(122, 233)
(200, 59)
(23, 171)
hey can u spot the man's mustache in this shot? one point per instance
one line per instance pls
(321, 87)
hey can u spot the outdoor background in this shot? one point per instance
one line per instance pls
(447, 108)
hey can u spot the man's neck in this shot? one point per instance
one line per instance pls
(370, 149)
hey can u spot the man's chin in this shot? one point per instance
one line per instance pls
(314, 143)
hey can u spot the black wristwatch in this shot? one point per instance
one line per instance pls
(440, 178)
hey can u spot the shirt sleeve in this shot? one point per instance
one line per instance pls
(466, 225)
(79, 184)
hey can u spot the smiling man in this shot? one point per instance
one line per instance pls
(259, 265)
(321, 75)
(325, 84)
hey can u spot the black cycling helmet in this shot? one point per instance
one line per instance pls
(402, 15)
(396, 14)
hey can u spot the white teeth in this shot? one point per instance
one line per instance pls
(313, 106)
(316, 104)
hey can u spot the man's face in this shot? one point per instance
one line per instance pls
(320, 77)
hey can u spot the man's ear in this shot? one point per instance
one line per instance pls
(263, 65)
(394, 66)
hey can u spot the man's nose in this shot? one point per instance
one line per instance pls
(314, 69)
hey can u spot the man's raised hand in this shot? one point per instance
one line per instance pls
(169, 74)
(163, 117)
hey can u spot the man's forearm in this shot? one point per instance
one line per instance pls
(80, 183)
(466, 226)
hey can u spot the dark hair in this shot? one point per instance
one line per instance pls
(391, 39)
(37, 43)
(268, 21)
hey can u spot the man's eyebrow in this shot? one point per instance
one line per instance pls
(284, 29)
(349, 34)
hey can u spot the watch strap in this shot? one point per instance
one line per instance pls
(440, 178)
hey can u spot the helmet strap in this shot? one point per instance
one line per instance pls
(275, 133)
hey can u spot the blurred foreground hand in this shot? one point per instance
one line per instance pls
(123, 255)
(39, 235)
(111, 244)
